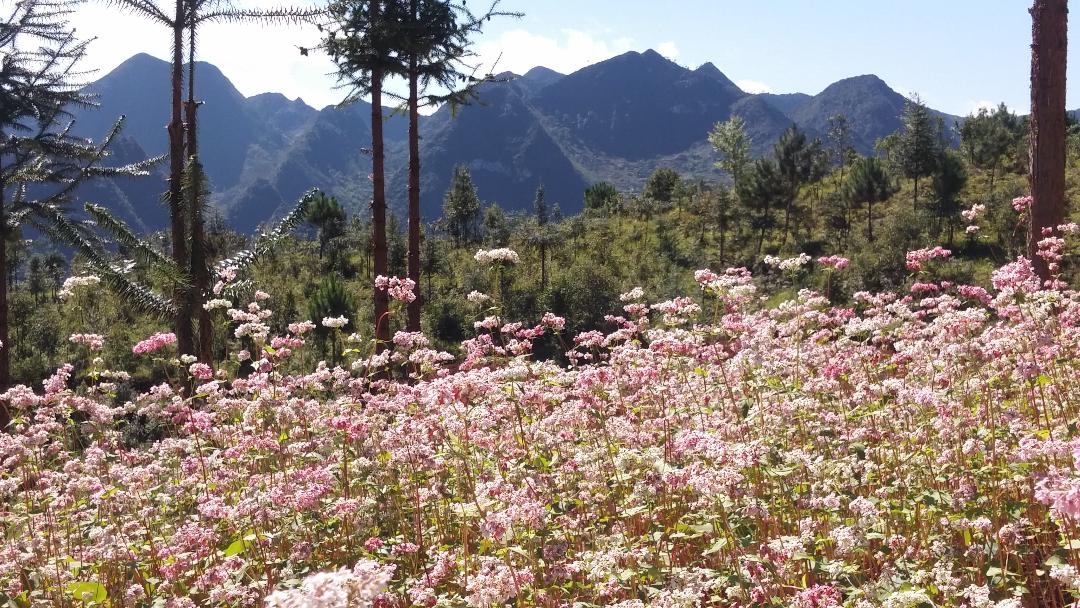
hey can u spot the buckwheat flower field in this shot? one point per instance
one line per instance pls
(911, 450)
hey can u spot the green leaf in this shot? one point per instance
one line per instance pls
(236, 548)
(85, 592)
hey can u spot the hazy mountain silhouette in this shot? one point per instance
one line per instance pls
(617, 120)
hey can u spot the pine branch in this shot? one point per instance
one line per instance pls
(268, 240)
(144, 252)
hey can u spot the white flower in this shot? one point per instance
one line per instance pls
(73, 283)
(335, 322)
(491, 256)
(477, 298)
(217, 303)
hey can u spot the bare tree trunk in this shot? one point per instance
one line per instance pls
(200, 274)
(1046, 150)
(5, 338)
(378, 204)
(870, 220)
(185, 339)
(414, 187)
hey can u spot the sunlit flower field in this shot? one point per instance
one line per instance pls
(908, 450)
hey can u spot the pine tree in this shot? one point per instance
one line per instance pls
(867, 184)
(919, 144)
(761, 191)
(328, 217)
(360, 41)
(795, 159)
(839, 132)
(987, 138)
(541, 234)
(41, 163)
(600, 195)
(461, 207)
(432, 38)
(186, 224)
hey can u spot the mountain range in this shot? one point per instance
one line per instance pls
(616, 121)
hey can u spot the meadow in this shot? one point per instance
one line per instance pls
(908, 449)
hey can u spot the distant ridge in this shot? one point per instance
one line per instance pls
(616, 120)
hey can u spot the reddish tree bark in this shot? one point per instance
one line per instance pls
(378, 203)
(185, 339)
(5, 349)
(1046, 151)
(200, 272)
(414, 188)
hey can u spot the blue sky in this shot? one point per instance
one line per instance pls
(956, 54)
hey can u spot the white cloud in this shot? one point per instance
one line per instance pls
(753, 86)
(975, 106)
(668, 49)
(519, 50)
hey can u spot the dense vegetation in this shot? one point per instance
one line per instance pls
(873, 404)
(576, 266)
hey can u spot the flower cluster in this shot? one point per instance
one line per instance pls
(1021, 204)
(494, 256)
(154, 343)
(398, 288)
(834, 261)
(916, 260)
(94, 342)
(72, 283)
(708, 451)
(788, 264)
(335, 322)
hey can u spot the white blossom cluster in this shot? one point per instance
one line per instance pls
(492, 256)
(73, 283)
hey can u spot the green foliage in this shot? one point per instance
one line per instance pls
(663, 185)
(868, 184)
(601, 195)
(919, 146)
(328, 217)
(461, 207)
(761, 192)
(948, 183)
(583, 295)
(988, 138)
(731, 142)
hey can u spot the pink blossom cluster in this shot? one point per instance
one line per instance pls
(1021, 204)
(916, 260)
(154, 343)
(709, 451)
(402, 289)
(834, 261)
(93, 342)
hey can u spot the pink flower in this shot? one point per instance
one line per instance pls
(153, 343)
(1021, 203)
(834, 261)
(94, 342)
(399, 288)
(917, 259)
(201, 371)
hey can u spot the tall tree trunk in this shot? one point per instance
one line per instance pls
(185, 340)
(1046, 150)
(414, 186)
(200, 273)
(870, 220)
(5, 339)
(378, 204)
